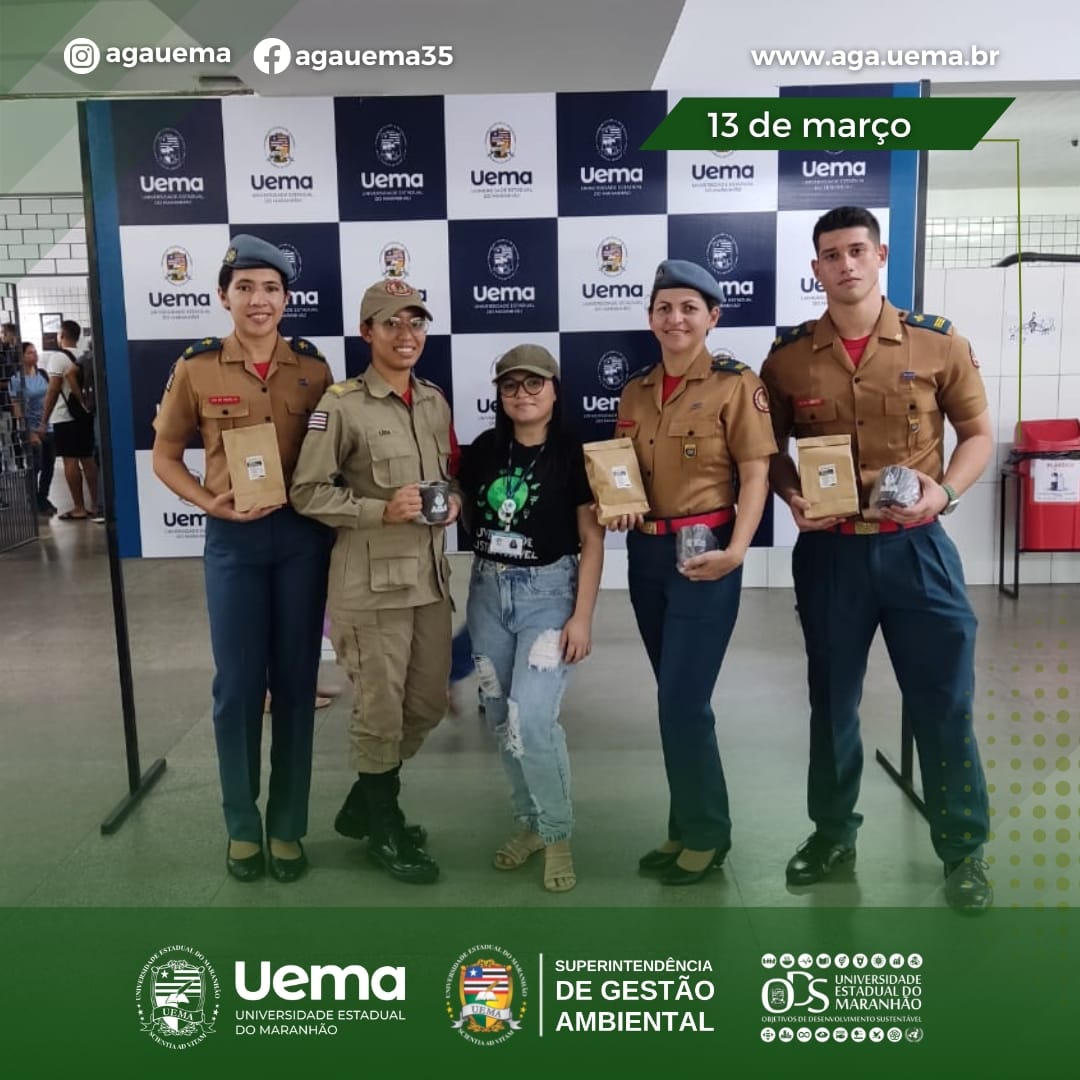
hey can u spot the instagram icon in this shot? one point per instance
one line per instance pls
(81, 55)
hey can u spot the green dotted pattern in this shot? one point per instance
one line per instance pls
(1030, 738)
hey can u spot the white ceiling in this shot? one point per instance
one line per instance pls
(1046, 120)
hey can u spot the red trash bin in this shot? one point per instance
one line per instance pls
(1050, 496)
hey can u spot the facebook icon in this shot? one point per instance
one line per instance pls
(271, 55)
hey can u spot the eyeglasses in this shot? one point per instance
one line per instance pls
(418, 324)
(509, 386)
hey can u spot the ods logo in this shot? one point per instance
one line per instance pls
(781, 996)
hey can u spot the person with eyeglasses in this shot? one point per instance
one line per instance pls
(701, 430)
(539, 552)
(370, 443)
(265, 568)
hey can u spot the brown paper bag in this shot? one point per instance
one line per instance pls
(827, 472)
(615, 479)
(258, 480)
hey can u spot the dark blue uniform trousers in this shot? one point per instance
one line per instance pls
(266, 592)
(911, 584)
(686, 626)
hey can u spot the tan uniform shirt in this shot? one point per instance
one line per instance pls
(689, 446)
(363, 444)
(213, 387)
(916, 370)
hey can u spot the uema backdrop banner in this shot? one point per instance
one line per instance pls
(520, 217)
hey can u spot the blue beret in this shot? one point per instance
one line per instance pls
(250, 252)
(681, 274)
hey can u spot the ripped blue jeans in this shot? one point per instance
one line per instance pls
(515, 618)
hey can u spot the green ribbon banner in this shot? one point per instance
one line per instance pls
(844, 123)
(812, 991)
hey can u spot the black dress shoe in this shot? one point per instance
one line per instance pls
(402, 859)
(966, 887)
(250, 869)
(816, 859)
(288, 869)
(661, 860)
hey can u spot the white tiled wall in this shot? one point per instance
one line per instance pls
(42, 234)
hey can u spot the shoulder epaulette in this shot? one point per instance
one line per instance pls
(928, 322)
(432, 385)
(729, 364)
(303, 346)
(640, 373)
(346, 387)
(796, 332)
(208, 344)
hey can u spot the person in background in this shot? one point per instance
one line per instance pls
(72, 425)
(28, 388)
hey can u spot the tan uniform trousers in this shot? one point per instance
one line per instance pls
(398, 661)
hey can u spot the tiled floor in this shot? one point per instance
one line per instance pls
(62, 766)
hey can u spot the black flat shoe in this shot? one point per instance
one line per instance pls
(288, 869)
(250, 869)
(661, 860)
(676, 875)
(657, 859)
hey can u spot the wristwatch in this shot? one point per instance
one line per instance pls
(954, 499)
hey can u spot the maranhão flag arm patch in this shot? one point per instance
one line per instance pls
(318, 420)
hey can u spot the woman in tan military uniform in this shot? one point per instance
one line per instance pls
(265, 569)
(370, 444)
(703, 438)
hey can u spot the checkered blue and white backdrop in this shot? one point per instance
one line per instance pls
(529, 217)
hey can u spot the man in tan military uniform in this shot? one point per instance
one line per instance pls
(369, 444)
(889, 379)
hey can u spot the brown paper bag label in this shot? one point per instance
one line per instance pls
(615, 479)
(827, 473)
(255, 471)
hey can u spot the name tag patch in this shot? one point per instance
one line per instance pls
(224, 399)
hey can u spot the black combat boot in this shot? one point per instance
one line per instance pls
(389, 843)
(352, 818)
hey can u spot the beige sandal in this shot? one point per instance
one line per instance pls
(517, 850)
(559, 873)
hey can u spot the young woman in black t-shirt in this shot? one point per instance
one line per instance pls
(538, 556)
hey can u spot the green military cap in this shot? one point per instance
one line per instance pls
(534, 359)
